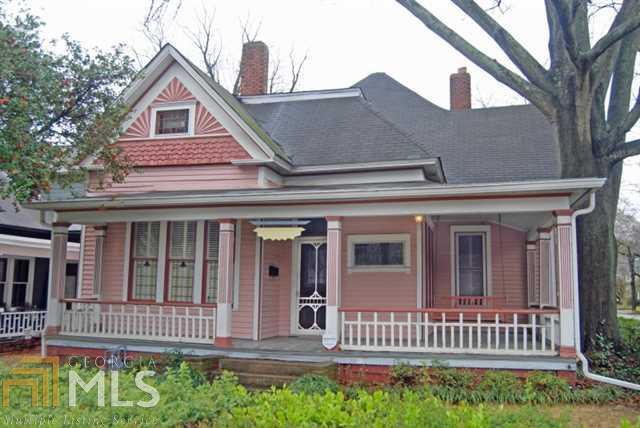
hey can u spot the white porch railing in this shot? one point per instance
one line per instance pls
(469, 331)
(18, 324)
(120, 320)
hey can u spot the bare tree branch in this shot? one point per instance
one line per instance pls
(274, 74)
(296, 69)
(525, 62)
(204, 40)
(542, 100)
(617, 32)
(623, 151)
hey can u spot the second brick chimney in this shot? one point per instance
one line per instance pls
(460, 90)
(254, 68)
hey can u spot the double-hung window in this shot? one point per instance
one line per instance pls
(181, 259)
(20, 282)
(211, 262)
(3, 280)
(146, 236)
(470, 256)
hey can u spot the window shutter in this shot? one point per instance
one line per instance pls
(213, 240)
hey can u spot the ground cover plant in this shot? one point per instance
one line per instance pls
(187, 399)
(621, 359)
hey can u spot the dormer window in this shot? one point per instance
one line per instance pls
(172, 122)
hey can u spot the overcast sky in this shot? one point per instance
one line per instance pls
(345, 39)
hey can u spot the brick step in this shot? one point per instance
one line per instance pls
(276, 368)
(262, 381)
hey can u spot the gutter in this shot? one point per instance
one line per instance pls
(576, 315)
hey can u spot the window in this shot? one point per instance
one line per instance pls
(379, 252)
(20, 281)
(211, 262)
(172, 122)
(145, 260)
(470, 258)
(181, 260)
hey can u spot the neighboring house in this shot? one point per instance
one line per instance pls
(25, 248)
(361, 219)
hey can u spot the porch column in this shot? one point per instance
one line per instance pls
(331, 336)
(57, 273)
(533, 284)
(225, 282)
(544, 266)
(564, 252)
(101, 234)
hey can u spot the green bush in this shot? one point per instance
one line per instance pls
(313, 384)
(618, 360)
(403, 374)
(542, 387)
(500, 386)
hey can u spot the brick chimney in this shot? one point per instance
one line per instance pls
(254, 68)
(460, 90)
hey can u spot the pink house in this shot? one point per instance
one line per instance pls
(362, 225)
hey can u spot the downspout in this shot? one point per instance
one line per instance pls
(576, 315)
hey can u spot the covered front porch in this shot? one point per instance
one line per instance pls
(464, 277)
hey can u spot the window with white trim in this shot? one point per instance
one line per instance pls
(470, 263)
(379, 252)
(181, 260)
(144, 258)
(211, 262)
(172, 121)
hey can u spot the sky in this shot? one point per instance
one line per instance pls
(345, 40)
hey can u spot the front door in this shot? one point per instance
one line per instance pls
(310, 293)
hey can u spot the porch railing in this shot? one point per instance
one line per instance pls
(470, 331)
(19, 324)
(147, 321)
(474, 301)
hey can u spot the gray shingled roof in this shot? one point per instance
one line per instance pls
(334, 131)
(481, 145)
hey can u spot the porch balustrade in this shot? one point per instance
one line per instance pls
(147, 321)
(19, 324)
(464, 330)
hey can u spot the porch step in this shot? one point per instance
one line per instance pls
(279, 368)
(262, 374)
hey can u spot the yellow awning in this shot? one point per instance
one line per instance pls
(278, 233)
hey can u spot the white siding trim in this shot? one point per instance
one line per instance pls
(403, 238)
(419, 263)
(127, 260)
(28, 298)
(486, 229)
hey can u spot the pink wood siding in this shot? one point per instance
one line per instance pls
(88, 260)
(276, 291)
(113, 262)
(378, 289)
(242, 318)
(181, 178)
(508, 255)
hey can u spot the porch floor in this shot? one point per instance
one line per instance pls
(310, 349)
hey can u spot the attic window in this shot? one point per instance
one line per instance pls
(172, 122)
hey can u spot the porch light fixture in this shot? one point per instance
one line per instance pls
(419, 218)
(278, 233)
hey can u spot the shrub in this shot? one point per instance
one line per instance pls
(542, 387)
(313, 384)
(404, 374)
(618, 360)
(500, 386)
(452, 378)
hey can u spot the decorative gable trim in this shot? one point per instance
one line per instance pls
(174, 92)
(169, 63)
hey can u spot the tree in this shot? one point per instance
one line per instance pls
(57, 107)
(628, 240)
(586, 94)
